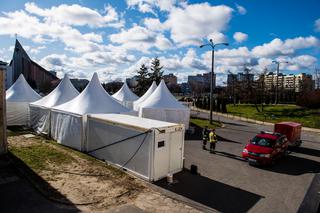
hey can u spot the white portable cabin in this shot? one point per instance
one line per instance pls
(138, 102)
(40, 110)
(125, 96)
(68, 121)
(148, 148)
(18, 97)
(162, 105)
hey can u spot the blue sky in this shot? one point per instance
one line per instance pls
(114, 38)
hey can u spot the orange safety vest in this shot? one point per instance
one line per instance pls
(212, 137)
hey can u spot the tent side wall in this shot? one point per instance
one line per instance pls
(181, 116)
(133, 154)
(17, 113)
(40, 119)
(128, 104)
(68, 129)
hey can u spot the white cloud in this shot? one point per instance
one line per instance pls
(162, 43)
(287, 47)
(218, 37)
(154, 24)
(141, 39)
(148, 6)
(317, 25)
(240, 37)
(241, 10)
(74, 15)
(36, 50)
(301, 62)
(31, 27)
(189, 25)
(190, 60)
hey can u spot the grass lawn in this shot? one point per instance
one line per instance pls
(277, 113)
(202, 123)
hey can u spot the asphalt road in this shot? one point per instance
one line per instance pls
(228, 184)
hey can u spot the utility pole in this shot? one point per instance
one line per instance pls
(212, 45)
(277, 79)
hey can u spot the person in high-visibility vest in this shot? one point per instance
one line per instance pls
(212, 141)
(205, 137)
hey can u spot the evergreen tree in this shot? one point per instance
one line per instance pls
(143, 80)
(156, 73)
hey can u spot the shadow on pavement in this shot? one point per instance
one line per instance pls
(222, 139)
(294, 165)
(22, 190)
(306, 151)
(214, 194)
(229, 155)
(198, 135)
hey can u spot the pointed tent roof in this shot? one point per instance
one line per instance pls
(64, 92)
(125, 94)
(162, 98)
(146, 95)
(93, 99)
(21, 91)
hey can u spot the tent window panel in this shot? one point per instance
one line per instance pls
(161, 144)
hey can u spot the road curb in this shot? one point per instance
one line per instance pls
(249, 120)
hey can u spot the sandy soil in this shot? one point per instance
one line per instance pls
(84, 182)
(92, 186)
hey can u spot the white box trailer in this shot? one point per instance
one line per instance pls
(150, 149)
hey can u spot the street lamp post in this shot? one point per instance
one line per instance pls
(277, 79)
(212, 45)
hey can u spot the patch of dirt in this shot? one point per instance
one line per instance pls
(20, 141)
(84, 181)
(90, 184)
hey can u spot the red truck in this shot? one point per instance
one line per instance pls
(290, 129)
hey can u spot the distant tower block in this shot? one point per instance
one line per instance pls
(3, 126)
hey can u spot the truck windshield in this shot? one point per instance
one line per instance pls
(262, 141)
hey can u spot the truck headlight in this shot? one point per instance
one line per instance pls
(245, 150)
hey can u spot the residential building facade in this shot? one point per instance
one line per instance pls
(200, 83)
(296, 83)
(170, 79)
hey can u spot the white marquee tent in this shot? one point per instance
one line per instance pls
(162, 105)
(18, 97)
(125, 96)
(40, 110)
(138, 102)
(68, 121)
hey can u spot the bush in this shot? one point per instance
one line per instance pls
(309, 100)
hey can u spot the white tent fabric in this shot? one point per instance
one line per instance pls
(162, 105)
(146, 95)
(40, 110)
(18, 97)
(125, 96)
(68, 120)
